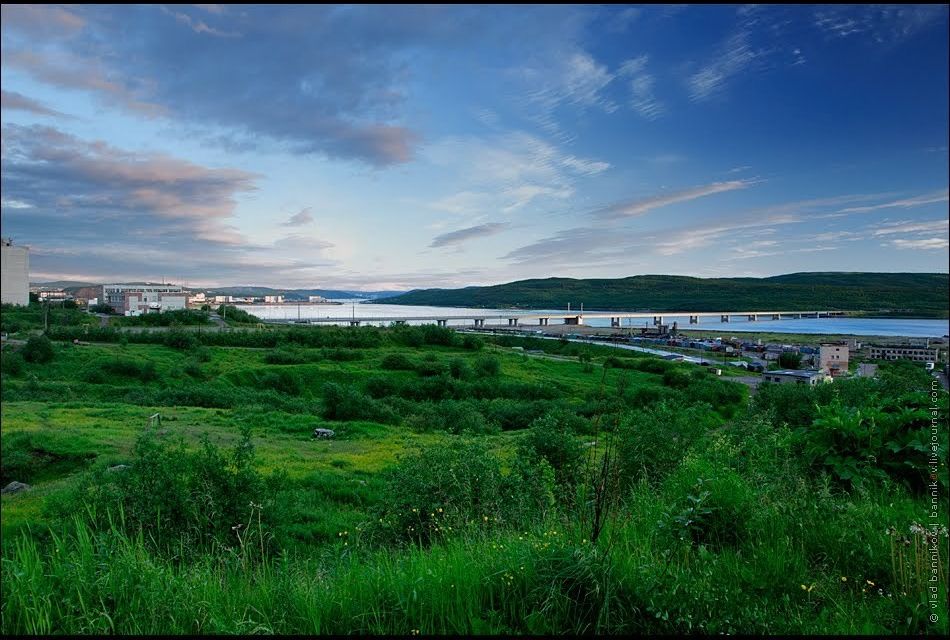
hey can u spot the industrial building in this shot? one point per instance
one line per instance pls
(137, 298)
(15, 273)
(791, 376)
(915, 352)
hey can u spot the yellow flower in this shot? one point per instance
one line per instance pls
(804, 588)
(844, 578)
(869, 582)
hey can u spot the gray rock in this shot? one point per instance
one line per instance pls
(15, 487)
(119, 467)
(323, 433)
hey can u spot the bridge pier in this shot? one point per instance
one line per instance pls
(724, 318)
(694, 319)
(354, 323)
(512, 322)
(753, 317)
(399, 322)
(573, 320)
(543, 322)
(657, 321)
(615, 322)
(442, 323)
(479, 322)
(776, 316)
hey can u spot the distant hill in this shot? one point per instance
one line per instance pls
(895, 294)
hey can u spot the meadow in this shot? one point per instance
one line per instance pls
(474, 485)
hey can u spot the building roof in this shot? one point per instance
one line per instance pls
(807, 373)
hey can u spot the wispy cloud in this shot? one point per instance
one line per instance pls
(18, 102)
(642, 98)
(302, 217)
(911, 227)
(644, 205)
(470, 233)
(734, 56)
(925, 244)
(905, 203)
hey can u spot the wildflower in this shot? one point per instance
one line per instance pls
(844, 578)
(485, 518)
(869, 582)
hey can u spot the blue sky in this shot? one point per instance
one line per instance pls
(404, 147)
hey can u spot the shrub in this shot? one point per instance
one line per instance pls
(343, 402)
(11, 362)
(442, 488)
(552, 438)
(397, 362)
(184, 502)
(180, 339)
(431, 368)
(38, 349)
(459, 369)
(472, 342)
(653, 441)
(487, 366)
(790, 360)
(452, 416)
(284, 355)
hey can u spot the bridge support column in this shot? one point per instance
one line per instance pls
(479, 322)
(543, 322)
(776, 316)
(694, 319)
(399, 322)
(354, 323)
(442, 323)
(724, 318)
(657, 320)
(753, 317)
(615, 322)
(512, 322)
(572, 320)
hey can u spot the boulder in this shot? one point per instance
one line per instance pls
(119, 467)
(323, 433)
(15, 487)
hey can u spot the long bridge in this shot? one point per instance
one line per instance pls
(544, 318)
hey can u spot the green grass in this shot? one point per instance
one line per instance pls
(736, 532)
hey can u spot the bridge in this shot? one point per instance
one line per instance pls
(543, 319)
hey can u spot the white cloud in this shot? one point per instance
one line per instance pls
(925, 244)
(644, 205)
(906, 203)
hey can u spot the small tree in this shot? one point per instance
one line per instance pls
(38, 349)
(790, 360)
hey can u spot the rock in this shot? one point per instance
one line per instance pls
(323, 433)
(15, 487)
(119, 467)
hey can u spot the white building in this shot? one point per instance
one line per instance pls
(14, 274)
(833, 358)
(274, 299)
(792, 376)
(317, 299)
(138, 298)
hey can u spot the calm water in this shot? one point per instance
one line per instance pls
(853, 326)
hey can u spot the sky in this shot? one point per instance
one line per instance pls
(393, 148)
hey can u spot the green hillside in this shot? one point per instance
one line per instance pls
(897, 294)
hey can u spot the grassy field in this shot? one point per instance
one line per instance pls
(470, 488)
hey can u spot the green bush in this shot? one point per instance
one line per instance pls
(11, 362)
(652, 442)
(38, 349)
(343, 402)
(487, 366)
(459, 369)
(397, 362)
(553, 439)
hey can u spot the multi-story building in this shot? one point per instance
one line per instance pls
(14, 273)
(915, 352)
(833, 357)
(274, 299)
(138, 298)
(791, 376)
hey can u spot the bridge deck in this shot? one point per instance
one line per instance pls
(573, 315)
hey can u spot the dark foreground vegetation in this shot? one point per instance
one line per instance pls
(883, 294)
(469, 488)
